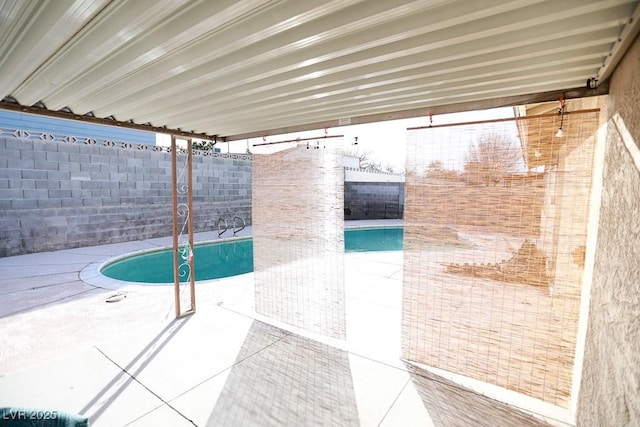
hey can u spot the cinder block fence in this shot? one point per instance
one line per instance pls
(56, 195)
(373, 200)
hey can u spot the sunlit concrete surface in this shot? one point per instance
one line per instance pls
(131, 363)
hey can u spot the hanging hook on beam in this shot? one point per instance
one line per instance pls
(299, 140)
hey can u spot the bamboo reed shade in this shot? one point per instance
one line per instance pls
(298, 237)
(495, 234)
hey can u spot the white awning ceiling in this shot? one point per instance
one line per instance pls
(241, 68)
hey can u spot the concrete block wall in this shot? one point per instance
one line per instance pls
(373, 200)
(55, 195)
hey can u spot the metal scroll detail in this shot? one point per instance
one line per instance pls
(185, 251)
(27, 135)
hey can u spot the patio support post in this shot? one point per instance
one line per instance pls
(174, 197)
(182, 218)
(192, 276)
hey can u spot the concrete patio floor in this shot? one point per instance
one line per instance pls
(130, 363)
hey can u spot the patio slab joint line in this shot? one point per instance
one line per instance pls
(394, 401)
(164, 402)
(35, 288)
(237, 362)
(44, 304)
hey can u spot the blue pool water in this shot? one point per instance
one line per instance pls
(224, 259)
(373, 239)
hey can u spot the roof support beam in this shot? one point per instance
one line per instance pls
(8, 104)
(580, 92)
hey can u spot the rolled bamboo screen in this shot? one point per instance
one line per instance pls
(495, 234)
(298, 237)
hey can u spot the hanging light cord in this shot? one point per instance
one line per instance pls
(561, 112)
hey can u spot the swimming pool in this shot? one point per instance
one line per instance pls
(229, 258)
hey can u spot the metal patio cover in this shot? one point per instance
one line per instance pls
(237, 69)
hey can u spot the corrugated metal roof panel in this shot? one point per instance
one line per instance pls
(236, 67)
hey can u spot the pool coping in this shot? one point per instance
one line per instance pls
(91, 274)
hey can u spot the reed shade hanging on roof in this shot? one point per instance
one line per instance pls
(298, 237)
(500, 302)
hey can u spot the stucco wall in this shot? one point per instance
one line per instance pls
(610, 388)
(57, 195)
(624, 90)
